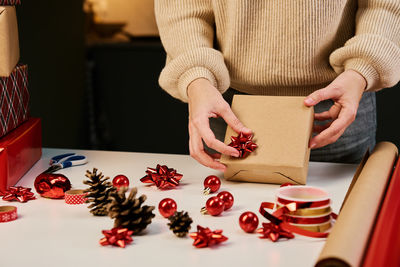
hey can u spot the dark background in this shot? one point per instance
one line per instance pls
(106, 96)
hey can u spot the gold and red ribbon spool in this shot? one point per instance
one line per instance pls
(8, 213)
(75, 197)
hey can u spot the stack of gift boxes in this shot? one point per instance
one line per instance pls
(20, 135)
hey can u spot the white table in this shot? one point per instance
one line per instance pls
(51, 233)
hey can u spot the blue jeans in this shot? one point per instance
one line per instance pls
(349, 148)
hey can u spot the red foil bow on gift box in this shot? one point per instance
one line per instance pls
(243, 143)
(18, 193)
(162, 176)
(119, 237)
(204, 237)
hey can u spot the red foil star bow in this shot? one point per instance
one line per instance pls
(273, 232)
(18, 193)
(204, 237)
(119, 237)
(162, 177)
(243, 143)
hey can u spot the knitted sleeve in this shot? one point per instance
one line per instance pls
(187, 31)
(374, 51)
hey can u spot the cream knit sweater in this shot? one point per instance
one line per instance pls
(278, 47)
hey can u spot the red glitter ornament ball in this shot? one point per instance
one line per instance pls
(211, 184)
(215, 206)
(248, 221)
(167, 207)
(227, 198)
(52, 185)
(120, 181)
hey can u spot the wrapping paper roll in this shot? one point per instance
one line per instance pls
(384, 246)
(349, 237)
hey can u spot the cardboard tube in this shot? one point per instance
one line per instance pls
(349, 237)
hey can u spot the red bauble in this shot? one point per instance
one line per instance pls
(211, 184)
(248, 221)
(120, 181)
(52, 185)
(167, 207)
(215, 206)
(227, 198)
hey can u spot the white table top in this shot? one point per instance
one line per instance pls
(51, 233)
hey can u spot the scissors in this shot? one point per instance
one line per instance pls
(64, 161)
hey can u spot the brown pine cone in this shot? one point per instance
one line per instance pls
(180, 223)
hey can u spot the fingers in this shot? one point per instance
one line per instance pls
(329, 92)
(331, 114)
(227, 114)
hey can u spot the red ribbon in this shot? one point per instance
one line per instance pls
(119, 237)
(18, 193)
(305, 220)
(243, 143)
(204, 237)
(162, 176)
(305, 204)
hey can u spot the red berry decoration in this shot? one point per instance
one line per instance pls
(214, 206)
(248, 221)
(211, 184)
(167, 207)
(120, 181)
(227, 198)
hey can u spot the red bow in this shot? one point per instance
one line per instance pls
(162, 176)
(118, 237)
(204, 237)
(243, 143)
(273, 232)
(18, 193)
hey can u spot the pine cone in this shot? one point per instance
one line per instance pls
(98, 193)
(129, 212)
(180, 223)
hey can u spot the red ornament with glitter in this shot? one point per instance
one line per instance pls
(204, 237)
(214, 206)
(17, 193)
(162, 176)
(211, 184)
(119, 237)
(227, 198)
(243, 143)
(52, 185)
(248, 221)
(167, 207)
(120, 181)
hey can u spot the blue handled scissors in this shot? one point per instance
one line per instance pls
(64, 161)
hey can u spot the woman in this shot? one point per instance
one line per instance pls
(337, 53)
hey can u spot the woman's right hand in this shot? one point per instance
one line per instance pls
(205, 102)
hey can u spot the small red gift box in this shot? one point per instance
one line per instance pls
(14, 99)
(19, 151)
(10, 2)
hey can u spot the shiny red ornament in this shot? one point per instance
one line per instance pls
(167, 207)
(248, 221)
(204, 237)
(227, 198)
(52, 185)
(243, 143)
(119, 237)
(274, 232)
(211, 184)
(215, 206)
(17, 193)
(120, 181)
(162, 176)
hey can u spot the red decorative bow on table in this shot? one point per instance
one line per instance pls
(243, 143)
(204, 237)
(18, 193)
(162, 176)
(119, 237)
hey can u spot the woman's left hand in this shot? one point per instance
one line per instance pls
(346, 91)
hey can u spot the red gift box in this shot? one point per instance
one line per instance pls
(10, 2)
(14, 99)
(19, 151)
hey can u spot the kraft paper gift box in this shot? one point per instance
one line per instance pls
(19, 151)
(9, 45)
(282, 127)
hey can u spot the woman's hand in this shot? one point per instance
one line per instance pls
(205, 102)
(346, 91)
